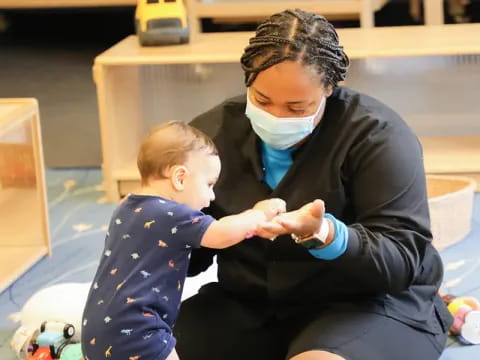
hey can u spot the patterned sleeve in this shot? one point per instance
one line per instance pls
(190, 225)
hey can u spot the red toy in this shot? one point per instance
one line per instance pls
(42, 353)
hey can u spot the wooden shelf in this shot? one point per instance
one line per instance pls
(15, 260)
(128, 171)
(449, 39)
(24, 233)
(457, 155)
(20, 220)
(38, 4)
(249, 8)
(136, 87)
(454, 154)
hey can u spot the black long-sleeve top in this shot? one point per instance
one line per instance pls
(365, 163)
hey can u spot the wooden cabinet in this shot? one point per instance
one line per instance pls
(139, 87)
(24, 233)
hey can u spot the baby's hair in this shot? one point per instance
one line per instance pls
(296, 35)
(170, 144)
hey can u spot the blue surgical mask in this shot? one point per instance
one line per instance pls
(280, 133)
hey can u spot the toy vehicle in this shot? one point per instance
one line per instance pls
(54, 336)
(161, 22)
(68, 330)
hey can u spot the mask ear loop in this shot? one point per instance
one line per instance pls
(320, 107)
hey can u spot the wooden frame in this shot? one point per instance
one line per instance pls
(24, 226)
(362, 9)
(125, 76)
(248, 9)
(40, 4)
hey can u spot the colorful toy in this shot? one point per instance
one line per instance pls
(42, 353)
(67, 330)
(72, 352)
(161, 22)
(67, 308)
(54, 336)
(466, 315)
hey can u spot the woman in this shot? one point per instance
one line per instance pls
(359, 279)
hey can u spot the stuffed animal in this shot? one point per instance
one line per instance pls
(466, 318)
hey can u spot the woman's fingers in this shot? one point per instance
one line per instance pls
(305, 220)
(316, 208)
(270, 230)
(289, 225)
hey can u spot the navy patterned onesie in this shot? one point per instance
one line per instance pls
(136, 292)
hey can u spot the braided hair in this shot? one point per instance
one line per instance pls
(296, 35)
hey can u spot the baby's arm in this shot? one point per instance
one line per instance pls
(232, 229)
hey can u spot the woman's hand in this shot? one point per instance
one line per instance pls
(270, 230)
(304, 221)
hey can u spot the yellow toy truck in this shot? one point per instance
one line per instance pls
(161, 22)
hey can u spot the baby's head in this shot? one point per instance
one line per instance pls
(181, 161)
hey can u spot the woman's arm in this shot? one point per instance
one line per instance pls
(386, 243)
(388, 240)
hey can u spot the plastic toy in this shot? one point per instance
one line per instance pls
(72, 352)
(67, 330)
(54, 336)
(466, 315)
(42, 353)
(161, 22)
(67, 308)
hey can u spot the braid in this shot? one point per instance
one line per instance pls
(298, 36)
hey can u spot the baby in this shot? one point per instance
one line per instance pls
(136, 293)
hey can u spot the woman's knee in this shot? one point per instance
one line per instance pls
(317, 355)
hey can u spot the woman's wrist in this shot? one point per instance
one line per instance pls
(319, 239)
(331, 231)
(338, 244)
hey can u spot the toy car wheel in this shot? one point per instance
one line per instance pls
(57, 353)
(68, 331)
(184, 39)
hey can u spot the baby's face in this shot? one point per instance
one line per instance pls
(203, 172)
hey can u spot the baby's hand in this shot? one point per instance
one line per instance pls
(271, 207)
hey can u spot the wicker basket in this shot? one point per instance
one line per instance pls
(450, 200)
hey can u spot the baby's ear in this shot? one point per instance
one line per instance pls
(178, 177)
